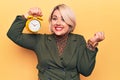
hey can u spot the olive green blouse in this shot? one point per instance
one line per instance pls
(76, 58)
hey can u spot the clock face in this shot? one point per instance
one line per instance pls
(34, 25)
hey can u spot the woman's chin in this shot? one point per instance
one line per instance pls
(59, 34)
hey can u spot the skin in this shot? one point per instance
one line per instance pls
(59, 27)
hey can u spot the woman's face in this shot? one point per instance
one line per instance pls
(58, 25)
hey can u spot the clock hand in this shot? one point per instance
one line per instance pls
(33, 24)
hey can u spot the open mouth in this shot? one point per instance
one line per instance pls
(58, 28)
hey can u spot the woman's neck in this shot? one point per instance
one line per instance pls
(61, 42)
(61, 37)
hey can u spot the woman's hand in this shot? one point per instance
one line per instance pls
(93, 42)
(33, 12)
(98, 37)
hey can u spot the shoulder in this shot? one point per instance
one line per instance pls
(45, 36)
(78, 36)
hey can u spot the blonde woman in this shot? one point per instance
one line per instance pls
(61, 55)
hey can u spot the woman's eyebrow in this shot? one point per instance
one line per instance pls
(54, 16)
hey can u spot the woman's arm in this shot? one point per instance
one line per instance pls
(16, 35)
(15, 32)
(86, 59)
(87, 54)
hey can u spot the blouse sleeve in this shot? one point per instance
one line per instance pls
(15, 34)
(86, 59)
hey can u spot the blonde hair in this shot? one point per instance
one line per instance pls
(67, 15)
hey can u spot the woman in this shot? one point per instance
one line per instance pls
(61, 55)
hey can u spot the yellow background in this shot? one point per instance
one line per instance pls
(17, 63)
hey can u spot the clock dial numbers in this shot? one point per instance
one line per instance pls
(34, 25)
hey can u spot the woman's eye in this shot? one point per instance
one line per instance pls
(54, 18)
(63, 19)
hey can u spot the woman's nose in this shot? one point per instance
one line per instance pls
(58, 22)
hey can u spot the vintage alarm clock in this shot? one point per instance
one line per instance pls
(33, 23)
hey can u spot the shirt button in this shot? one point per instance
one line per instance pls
(61, 58)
